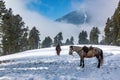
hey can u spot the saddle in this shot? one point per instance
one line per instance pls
(86, 49)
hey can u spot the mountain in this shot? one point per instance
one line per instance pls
(75, 17)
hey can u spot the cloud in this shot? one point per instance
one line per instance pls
(99, 9)
(44, 25)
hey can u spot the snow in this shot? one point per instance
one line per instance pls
(44, 64)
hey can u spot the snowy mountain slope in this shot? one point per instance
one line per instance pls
(76, 17)
(44, 64)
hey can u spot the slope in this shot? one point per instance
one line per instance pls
(44, 64)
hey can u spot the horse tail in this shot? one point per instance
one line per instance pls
(101, 55)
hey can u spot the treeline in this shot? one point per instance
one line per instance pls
(82, 39)
(16, 37)
(112, 28)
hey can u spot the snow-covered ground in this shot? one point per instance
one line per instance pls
(44, 64)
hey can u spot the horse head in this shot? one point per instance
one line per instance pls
(70, 50)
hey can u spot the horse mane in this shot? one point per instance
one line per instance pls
(85, 49)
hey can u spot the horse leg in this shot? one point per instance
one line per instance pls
(80, 62)
(98, 66)
(98, 63)
(101, 58)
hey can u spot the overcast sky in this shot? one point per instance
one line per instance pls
(42, 13)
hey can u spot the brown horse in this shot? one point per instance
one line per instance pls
(87, 52)
(58, 49)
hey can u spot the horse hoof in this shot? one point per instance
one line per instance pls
(80, 65)
(98, 67)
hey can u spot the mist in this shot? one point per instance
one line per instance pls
(100, 10)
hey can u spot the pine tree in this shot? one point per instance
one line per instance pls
(58, 39)
(83, 38)
(112, 28)
(115, 28)
(118, 24)
(94, 34)
(47, 42)
(24, 40)
(34, 38)
(2, 12)
(71, 40)
(67, 42)
(12, 29)
(108, 32)
(2, 9)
